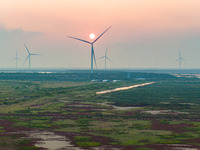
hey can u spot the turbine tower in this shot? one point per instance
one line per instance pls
(180, 60)
(92, 47)
(16, 59)
(29, 56)
(106, 58)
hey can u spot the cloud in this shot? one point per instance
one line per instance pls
(12, 37)
(18, 33)
(22, 33)
(11, 40)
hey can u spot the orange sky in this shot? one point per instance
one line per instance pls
(52, 16)
(131, 20)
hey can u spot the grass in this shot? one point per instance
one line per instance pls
(63, 122)
(8, 142)
(66, 106)
(129, 132)
(139, 137)
(88, 144)
(34, 122)
(29, 148)
(2, 129)
(82, 138)
(173, 92)
(69, 129)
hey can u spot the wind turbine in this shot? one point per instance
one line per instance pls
(106, 58)
(92, 36)
(180, 59)
(16, 59)
(29, 56)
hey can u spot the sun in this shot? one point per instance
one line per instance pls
(92, 35)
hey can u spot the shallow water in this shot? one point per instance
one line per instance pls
(117, 107)
(51, 141)
(157, 112)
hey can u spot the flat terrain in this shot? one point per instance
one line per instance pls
(56, 114)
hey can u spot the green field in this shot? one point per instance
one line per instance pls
(162, 115)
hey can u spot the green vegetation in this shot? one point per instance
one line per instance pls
(85, 141)
(88, 144)
(65, 106)
(12, 142)
(29, 148)
(173, 92)
(1, 129)
(82, 138)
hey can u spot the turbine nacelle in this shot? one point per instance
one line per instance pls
(180, 59)
(29, 56)
(106, 58)
(16, 59)
(92, 48)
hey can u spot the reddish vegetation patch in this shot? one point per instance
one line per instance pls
(8, 127)
(177, 128)
(193, 141)
(37, 105)
(173, 146)
(14, 131)
(130, 113)
(84, 113)
(103, 140)
(78, 105)
(79, 108)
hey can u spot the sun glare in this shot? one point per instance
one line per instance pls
(92, 35)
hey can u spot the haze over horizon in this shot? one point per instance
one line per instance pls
(144, 34)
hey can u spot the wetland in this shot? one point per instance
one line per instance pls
(62, 113)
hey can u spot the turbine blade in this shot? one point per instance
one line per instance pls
(106, 51)
(26, 58)
(101, 57)
(26, 48)
(79, 39)
(102, 34)
(181, 58)
(13, 59)
(35, 54)
(108, 59)
(177, 60)
(184, 59)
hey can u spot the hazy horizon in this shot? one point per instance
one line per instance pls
(144, 34)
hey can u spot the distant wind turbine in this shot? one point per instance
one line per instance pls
(16, 59)
(180, 59)
(106, 58)
(29, 56)
(92, 36)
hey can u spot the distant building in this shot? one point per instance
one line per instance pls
(116, 81)
(140, 79)
(105, 81)
(95, 80)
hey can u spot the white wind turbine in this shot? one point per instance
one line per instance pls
(106, 58)
(92, 36)
(29, 56)
(16, 59)
(180, 59)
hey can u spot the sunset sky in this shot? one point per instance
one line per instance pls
(144, 33)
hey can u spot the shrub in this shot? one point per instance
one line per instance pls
(88, 144)
(82, 138)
